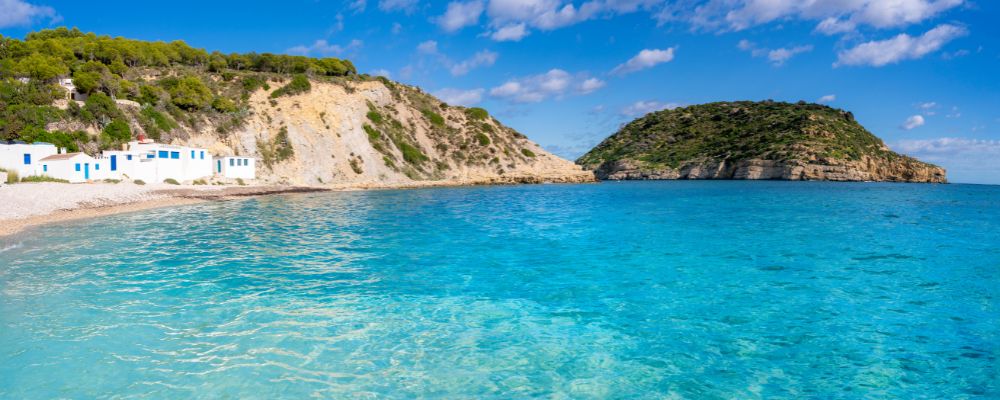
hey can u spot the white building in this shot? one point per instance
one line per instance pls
(234, 167)
(73, 167)
(22, 158)
(156, 162)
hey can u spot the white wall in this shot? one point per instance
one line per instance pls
(66, 169)
(236, 167)
(12, 157)
(154, 163)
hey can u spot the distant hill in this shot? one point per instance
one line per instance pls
(753, 140)
(308, 120)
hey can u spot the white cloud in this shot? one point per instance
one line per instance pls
(459, 15)
(407, 6)
(322, 47)
(646, 58)
(914, 121)
(428, 47)
(644, 107)
(382, 72)
(20, 13)
(590, 85)
(902, 47)
(778, 56)
(511, 19)
(396, 28)
(460, 97)
(482, 58)
(358, 6)
(830, 98)
(554, 83)
(510, 33)
(833, 16)
(927, 105)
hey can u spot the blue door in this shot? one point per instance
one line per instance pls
(218, 165)
(86, 171)
(114, 163)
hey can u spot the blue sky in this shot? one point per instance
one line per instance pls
(921, 74)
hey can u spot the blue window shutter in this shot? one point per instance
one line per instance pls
(163, 154)
(202, 155)
(128, 157)
(45, 168)
(97, 167)
(27, 159)
(77, 167)
(232, 162)
(175, 155)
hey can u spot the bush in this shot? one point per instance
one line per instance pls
(483, 139)
(112, 181)
(527, 153)
(42, 178)
(477, 113)
(411, 154)
(240, 182)
(139, 182)
(12, 177)
(435, 118)
(299, 84)
(373, 134)
(200, 182)
(171, 181)
(116, 132)
(374, 116)
(224, 105)
(188, 93)
(102, 108)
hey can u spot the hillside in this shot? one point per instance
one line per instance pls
(312, 121)
(752, 140)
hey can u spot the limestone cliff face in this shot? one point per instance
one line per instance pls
(376, 134)
(747, 140)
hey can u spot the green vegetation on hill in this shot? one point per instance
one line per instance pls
(742, 130)
(175, 85)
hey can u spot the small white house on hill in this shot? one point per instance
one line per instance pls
(236, 167)
(73, 167)
(22, 158)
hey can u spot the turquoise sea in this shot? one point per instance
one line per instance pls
(676, 290)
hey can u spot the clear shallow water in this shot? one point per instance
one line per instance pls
(615, 290)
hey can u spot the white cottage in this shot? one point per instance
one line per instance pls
(22, 158)
(73, 167)
(234, 167)
(156, 162)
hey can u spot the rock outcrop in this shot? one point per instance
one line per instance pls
(746, 140)
(378, 133)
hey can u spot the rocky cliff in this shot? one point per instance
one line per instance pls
(753, 140)
(381, 133)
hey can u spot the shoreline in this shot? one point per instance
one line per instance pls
(90, 200)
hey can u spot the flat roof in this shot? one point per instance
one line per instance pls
(57, 157)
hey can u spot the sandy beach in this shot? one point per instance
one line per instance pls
(31, 204)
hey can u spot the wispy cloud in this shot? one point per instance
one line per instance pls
(460, 14)
(830, 98)
(913, 122)
(460, 97)
(646, 58)
(778, 56)
(903, 47)
(20, 13)
(644, 107)
(322, 47)
(555, 83)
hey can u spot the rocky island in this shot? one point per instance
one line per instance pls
(752, 140)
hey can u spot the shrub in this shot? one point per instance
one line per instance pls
(139, 182)
(411, 154)
(373, 134)
(12, 177)
(356, 166)
(224, 105)
(116, 132)
(101, 107)
(477, 113)
(240, 182)
(200, 182)
(527, 153)
(42, 178)
(171, 181)
(435, 118)
(277, 150)
(112, 181)
(483, 139)
(374, 116)
(189, 93)
(299, 84)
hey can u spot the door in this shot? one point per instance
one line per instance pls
(218, 165)
(86, 171)
(114, 163)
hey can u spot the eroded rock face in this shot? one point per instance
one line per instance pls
(795, 170)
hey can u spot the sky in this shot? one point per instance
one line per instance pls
(920, 74)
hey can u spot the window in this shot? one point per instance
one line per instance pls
(163, 154)
(45, 168)
(175, 155)
(232, 162)
(151, 155)
(202, 155)
(192, 154)
(97, 167)
(27, 159)
(77, 167)
(128, 157)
